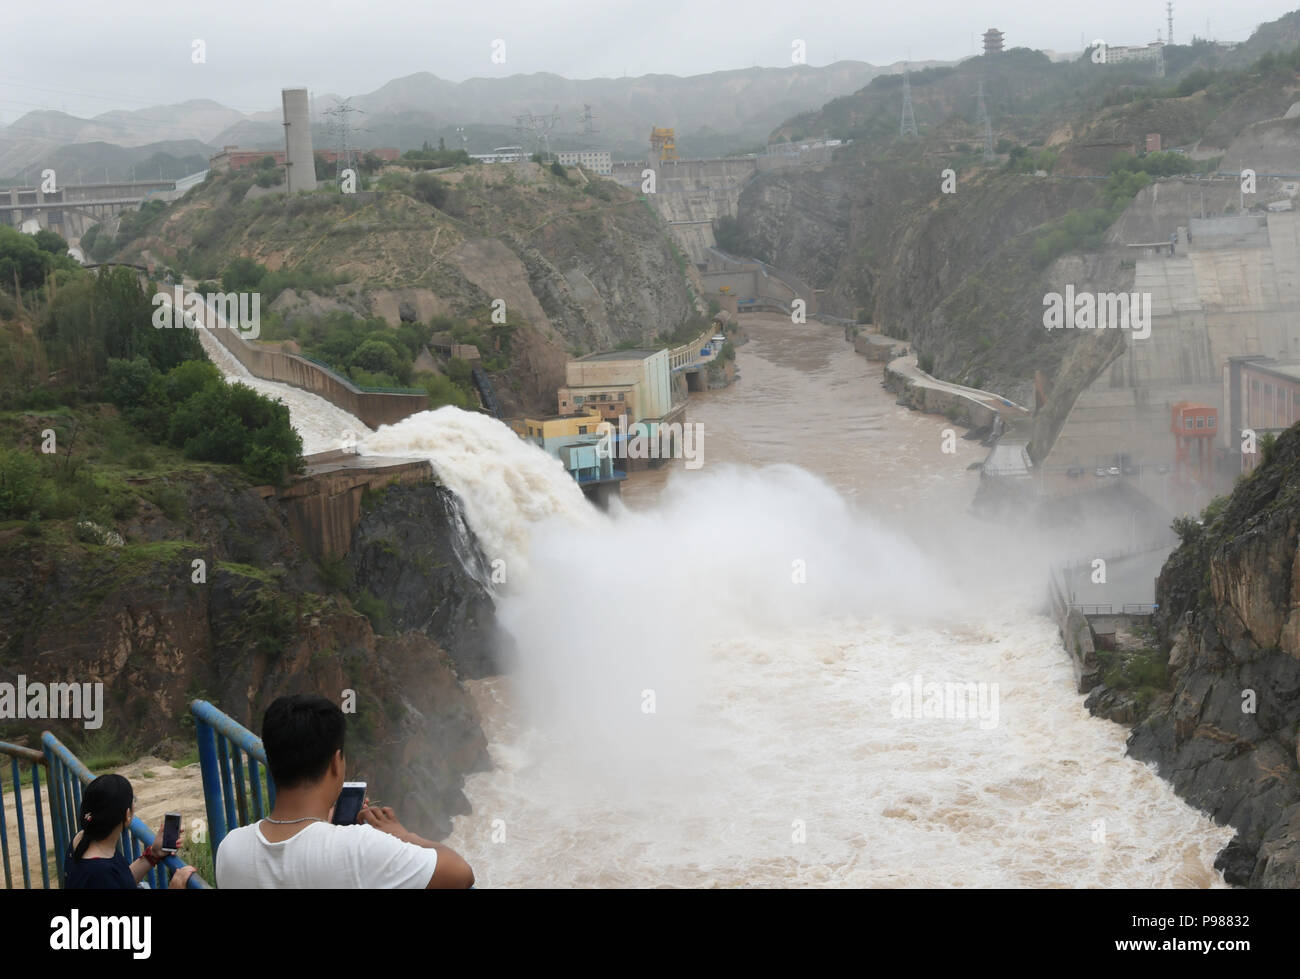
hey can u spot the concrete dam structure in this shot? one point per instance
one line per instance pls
(1231, 288)
(691, 194)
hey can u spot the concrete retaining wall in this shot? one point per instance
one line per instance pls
(939, 401)
(1076, 636)
(323, 509)
(876, 347)
(372, 407)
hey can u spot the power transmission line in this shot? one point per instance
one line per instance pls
(341, 128)
(907, 126)
(538, 129)
(982, 119)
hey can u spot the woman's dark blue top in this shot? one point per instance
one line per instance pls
(98, 873)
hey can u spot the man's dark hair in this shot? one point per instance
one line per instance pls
(300, 735)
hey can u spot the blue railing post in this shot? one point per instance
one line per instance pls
(17, 755)
(211, 782)
(54, 785)
(67, 814)
(22, 829)
(228, 794)
(259, 810)
(222, 746)
(40, 826)
(4, 838)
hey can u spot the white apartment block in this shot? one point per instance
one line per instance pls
(1121, 53)
(595, 161)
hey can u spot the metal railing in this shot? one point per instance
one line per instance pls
(36, 760)
(232, 789)
(1110, 609)
(65, 777)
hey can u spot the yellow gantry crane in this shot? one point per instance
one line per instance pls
(663, 143)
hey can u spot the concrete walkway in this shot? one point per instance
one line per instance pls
(907, 366)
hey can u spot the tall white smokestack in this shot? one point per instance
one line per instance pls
(300, 163)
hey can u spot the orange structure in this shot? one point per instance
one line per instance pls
(1193, 424)
(664, 143)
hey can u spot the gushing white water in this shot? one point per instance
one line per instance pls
(322, 424)
(506, 485)
(769, 622)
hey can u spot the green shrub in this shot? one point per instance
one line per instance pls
(242, 275)
(171, 500)
(21, 483)
(443, 391)
(429, 189)
(232, 423)
(378, 356)
(373, 609)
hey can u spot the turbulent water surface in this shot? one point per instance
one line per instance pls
(707, 690)
(708, 681)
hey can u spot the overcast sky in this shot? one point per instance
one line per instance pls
(87, 58)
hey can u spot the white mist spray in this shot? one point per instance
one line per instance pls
(703, 694)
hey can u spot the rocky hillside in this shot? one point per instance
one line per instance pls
(266, 621)
(580, 265)
(1229, 620)
(954, 273)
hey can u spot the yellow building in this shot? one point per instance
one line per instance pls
(555, 430)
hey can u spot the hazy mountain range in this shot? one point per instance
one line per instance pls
(715, 113)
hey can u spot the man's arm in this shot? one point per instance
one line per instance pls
(451, 871)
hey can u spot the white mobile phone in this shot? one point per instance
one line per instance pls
(349, 803)
(171, 833)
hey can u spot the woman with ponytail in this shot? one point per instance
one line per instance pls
(92, 860)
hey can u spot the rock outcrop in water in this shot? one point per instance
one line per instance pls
(266, 622)
(1229, 618)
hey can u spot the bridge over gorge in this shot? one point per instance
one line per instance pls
(71, 209)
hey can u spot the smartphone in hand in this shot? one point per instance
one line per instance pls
(171, 833)
(350, 801)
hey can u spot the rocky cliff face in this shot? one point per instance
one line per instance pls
(263, 623)
(414, 551)
(1229, 617)
(952, 273)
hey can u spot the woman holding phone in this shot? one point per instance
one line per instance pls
(92, 860)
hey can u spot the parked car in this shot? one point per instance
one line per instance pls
(1162, 469)
(1113, 471)
(1074, 471)
(1099, 471)
(1130, 470)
